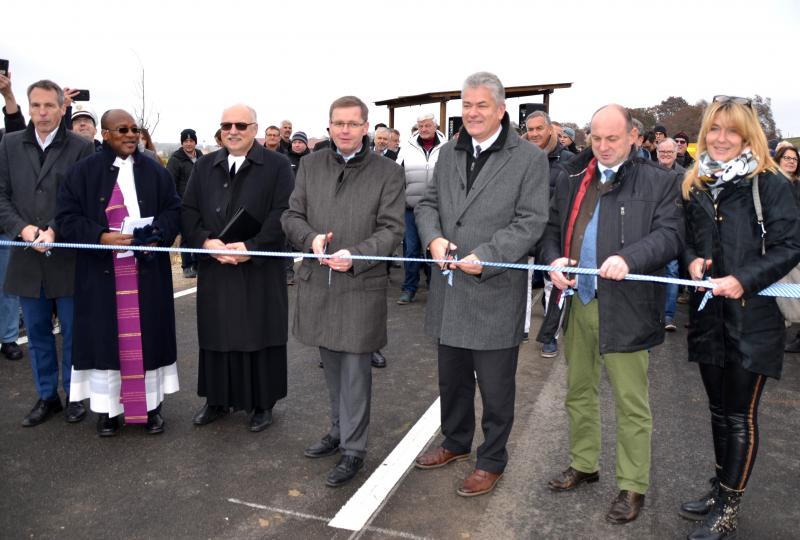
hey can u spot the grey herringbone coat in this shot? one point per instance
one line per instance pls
(499, 220)
(362, 202)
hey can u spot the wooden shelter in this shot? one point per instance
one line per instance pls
(443, 97)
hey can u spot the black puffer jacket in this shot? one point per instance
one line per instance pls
(180, 167)
(749, 331)
(641, 220)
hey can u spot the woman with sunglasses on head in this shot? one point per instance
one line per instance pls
(737, 338)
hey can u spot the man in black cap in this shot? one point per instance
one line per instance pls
(661, 134)
(684, 159)
(180, 166)
(298, 149)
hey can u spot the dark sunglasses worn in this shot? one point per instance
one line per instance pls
(733, 99)
(125, 130)
(240, 126)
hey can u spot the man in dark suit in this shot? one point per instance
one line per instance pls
(487, 201)
(32, 162)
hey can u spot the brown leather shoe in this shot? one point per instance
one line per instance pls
(478, 483)
(437, 458)
(572, 478)
(625, 507)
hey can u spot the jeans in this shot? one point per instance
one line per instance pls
(672, 290)
(412, 247)
(9, 304)
(38, 314)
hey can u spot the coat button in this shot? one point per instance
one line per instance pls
(225, 184)
(462, 187)
(458, 223)
(107, 272)
(217, 210)
(40, 190)
(102, 199)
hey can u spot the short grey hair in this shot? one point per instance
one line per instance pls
(47, 84)
(670, 141)
(382, 130)
(284, 122)
(426, 116)
(486, 80)
(639, 126)
(251, 110)
(537, 114)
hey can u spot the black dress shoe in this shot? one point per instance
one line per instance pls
(378, 360)
(75, 412)
(107, 427)
(43, 410)
(260, 420)
(326, 447)
(155, 422)
(344, 471)
(11, 350)
(209, 413)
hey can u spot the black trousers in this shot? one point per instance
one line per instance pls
(733, 397)
(496, 371)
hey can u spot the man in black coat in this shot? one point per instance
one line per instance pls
(180, 166)
(84, 203)
(623, 214)
(242, 303)
(32, 163)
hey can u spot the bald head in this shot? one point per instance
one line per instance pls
(612, 134)
(112, 116)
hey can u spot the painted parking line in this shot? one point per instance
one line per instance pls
(312, 517)
(372, 495)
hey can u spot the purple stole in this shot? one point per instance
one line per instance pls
(129, 331)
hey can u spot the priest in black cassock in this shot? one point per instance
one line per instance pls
(242, 303)
(123, 344)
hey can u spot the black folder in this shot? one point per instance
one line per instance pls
(242, 226)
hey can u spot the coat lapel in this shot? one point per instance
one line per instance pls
(50, 160)
(493, 165)
(33, 157)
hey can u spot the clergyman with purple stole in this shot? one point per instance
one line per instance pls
(124, 332)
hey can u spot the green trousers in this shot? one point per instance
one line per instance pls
(628, 375)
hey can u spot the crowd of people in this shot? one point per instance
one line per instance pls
(630, 202)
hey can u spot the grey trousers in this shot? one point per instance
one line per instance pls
(349, 380)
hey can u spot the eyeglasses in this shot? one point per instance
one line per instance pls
(125, 130)
(789, 158)
(351, 125)
(680, 141)
(733, 99)
(240, 126)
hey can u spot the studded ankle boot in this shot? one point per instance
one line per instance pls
(698, 509)
(721, 521)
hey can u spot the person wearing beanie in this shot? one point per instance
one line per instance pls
(567, 139)
(661, 134)
(180, 166)
(297, 150)
(684, 159)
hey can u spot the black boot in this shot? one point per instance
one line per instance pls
(721, 521)
(698, 509)
(794, 345)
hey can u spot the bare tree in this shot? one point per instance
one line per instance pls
(143, 111)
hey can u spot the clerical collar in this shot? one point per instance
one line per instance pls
(47, 140)
(236, 159)
(348, 157)
(488, 142)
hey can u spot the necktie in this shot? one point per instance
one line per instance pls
(477, 151)
(233, 169)
(588, 257)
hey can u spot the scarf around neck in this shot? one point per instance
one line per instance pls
(717, 173)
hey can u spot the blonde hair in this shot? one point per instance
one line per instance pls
(743, 118)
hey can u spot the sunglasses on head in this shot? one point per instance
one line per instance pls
(240, 126)
(125, 130)
(733, 99)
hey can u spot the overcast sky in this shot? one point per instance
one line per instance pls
(291, 59)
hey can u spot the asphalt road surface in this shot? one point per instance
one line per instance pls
(221, 481)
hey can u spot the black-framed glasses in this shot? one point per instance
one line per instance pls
(680, 141)
(733, 99)
(124, 130)
(789, 158)
(240, 126)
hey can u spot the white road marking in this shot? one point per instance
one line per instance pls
(372, 495)
(24, 339)
(303, 515)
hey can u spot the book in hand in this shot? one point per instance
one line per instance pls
(242, 226)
